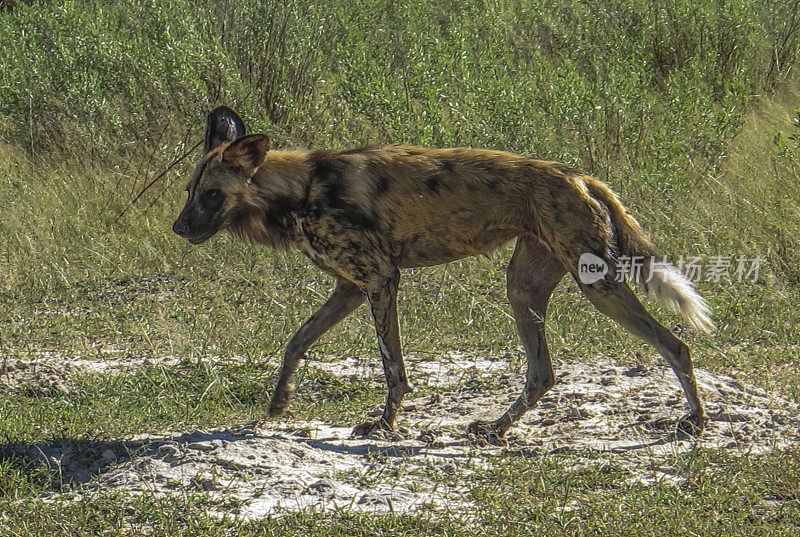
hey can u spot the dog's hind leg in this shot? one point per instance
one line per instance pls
(532, 274)
(344, 299)
(616, 300)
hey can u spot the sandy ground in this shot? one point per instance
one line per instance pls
(595, 409)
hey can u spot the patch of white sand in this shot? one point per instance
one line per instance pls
(627, 413)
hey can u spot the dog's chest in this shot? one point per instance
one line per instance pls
(318, 249)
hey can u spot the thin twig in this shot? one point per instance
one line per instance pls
(159, 176)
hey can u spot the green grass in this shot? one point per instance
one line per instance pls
(185, 395)
(688, 110)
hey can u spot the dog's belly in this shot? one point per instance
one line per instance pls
(437, 246)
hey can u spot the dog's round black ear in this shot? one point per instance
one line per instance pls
(223, 125)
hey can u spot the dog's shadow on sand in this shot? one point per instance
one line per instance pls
(64, 462)
(67, 462)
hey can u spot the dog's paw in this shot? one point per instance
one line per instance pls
(280, 400)
(277, 408)
(378, 429)
(692, 425)
(483, 433)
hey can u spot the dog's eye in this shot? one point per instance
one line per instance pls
(212, 199)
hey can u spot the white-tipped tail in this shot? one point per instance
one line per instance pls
(669, 286)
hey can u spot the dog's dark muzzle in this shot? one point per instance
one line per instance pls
(180, 227)
(194, 227)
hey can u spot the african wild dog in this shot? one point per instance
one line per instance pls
(363, 215)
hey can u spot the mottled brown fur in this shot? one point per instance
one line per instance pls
(417, 206)
(363, 215)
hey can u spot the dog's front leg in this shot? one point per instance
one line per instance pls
(382, 298)
(344, 299)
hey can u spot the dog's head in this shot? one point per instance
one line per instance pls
(222, 177)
